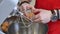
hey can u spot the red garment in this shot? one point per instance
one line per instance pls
(53, 28)
(48, 4)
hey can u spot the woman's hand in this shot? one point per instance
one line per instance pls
(27, 9)
(25, 6)
(43, 16)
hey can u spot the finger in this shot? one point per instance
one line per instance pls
(21, 8)
(36, 17)
(30, 7)
(38, 20)
(36, 11)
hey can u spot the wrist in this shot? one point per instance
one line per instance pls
(55, 15)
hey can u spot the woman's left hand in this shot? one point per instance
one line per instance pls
(42, 15)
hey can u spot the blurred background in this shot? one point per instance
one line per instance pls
(6, 7)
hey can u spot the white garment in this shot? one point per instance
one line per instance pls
(1, 32)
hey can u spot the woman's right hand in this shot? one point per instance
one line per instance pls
(25, 6)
